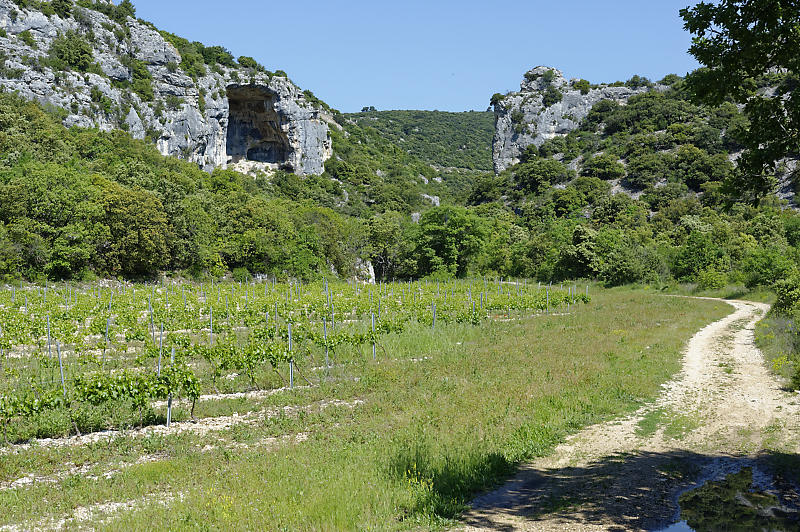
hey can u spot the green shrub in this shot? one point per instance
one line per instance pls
(144, 88)
(622, 268)
(312, 99)
(124, 9)
(549, 76)
(121, 33)
(787, 295)
(603, 166)
(582, 85)
(47, 9)
(698, 253)
(27, 38)
(637, 82)
(174, 102)
(712, 279)
(661, 197)
(192, 60)
(517, 118)
(538, 173)
(142, 80)
(217, 55)
(62, 8)
(645, 170)
(249, 62)
(765, 266)
(103, 101)
(71, 51)
(551, 96)
(241, 274)
(670, 79)
(496, 98)
(3, 33)
(629, 263)
(695, 167)
(567, 200)
(592, 188)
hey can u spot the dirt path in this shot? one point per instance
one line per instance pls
(717, 415)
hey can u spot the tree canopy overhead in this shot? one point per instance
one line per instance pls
(750, 50)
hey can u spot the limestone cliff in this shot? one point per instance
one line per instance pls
(547, 105)
(223, 116)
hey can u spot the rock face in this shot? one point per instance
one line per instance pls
(546, 106)
(240, 117)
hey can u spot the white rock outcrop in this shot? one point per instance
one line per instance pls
(546, 106)
(225, 117)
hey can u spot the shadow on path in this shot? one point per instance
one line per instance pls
(631, 491)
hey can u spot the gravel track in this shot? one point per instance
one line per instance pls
(612, 476)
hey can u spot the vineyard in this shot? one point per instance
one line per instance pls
(79, 359)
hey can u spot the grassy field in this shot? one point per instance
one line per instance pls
(731, 291)
(399, 443)
(776, 336)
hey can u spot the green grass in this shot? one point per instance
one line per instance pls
(675, 424)
(776, 336)
(732, 291)
(650, 423)
(428, 437)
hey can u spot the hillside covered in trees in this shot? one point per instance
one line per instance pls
(77, 202)
(634, 195)
(442, 139)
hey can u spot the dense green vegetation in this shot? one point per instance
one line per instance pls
(81, 202)
(777, 335)
(116, 207)
(551, 217)
(681, 227)
(77, 203)
(738, 42)
(383, 176)
(459, 140)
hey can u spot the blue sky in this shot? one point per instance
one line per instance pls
(445, 55)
